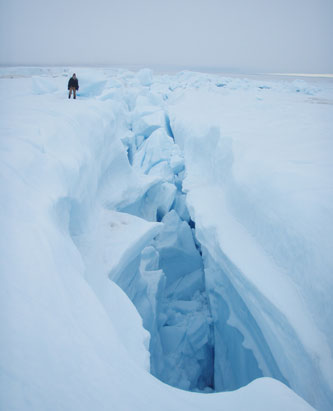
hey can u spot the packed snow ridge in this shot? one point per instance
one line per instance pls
(178, 225)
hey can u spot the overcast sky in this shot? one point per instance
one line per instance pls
(259, 35)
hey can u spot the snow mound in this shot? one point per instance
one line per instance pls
(43, 85)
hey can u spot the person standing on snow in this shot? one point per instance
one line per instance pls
(73, 85)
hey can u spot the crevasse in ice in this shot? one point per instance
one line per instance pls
(193, 196)
(188, 348)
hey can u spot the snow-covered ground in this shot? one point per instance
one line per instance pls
(174, 225)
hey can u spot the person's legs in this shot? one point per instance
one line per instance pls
(72, 89)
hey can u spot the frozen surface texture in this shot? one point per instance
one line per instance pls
(174, 224)
(258, 182)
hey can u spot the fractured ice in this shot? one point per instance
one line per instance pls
(174, 305)
(196, 205)
(192, 346)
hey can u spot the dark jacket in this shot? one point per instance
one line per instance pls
(73, 82)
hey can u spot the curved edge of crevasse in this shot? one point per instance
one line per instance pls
(235, 262)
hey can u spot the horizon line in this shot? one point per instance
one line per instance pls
(211, 69)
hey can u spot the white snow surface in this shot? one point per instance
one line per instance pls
(95, 198)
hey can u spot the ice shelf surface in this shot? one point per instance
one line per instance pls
(178, 226)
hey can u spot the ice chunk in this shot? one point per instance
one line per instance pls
(172, 336)
(149, 259)
(187, 286)
(154, 203)
(91, 83)
(180, 206)
(177, 161)
(186, 342)
(145, 76)
(145, 125)
(158, 147)
(184, 307)
(162, 170)
(178, 255)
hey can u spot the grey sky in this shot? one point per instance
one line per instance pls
(261, 35)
